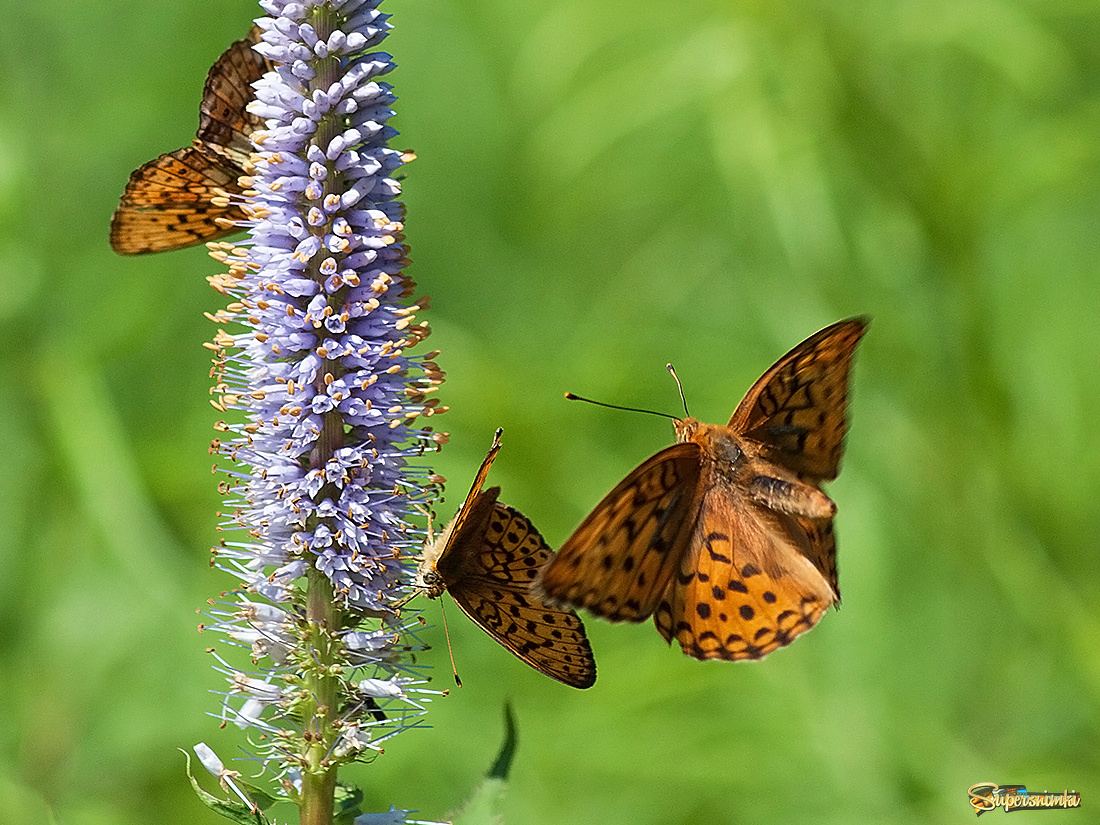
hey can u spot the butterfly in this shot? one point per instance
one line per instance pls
(486, 558)
(726, 537)
(178, 199)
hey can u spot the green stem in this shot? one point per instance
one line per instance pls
(319, 780)
(318, 798)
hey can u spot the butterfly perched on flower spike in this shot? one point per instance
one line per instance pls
(486, 558)
(179, 199)
(726, 537)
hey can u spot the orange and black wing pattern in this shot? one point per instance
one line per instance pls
(798, 408)
(182, 198)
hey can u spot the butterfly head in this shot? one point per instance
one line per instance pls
(428, 579)
(718, 443)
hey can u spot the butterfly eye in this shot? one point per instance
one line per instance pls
(726, 448)
(429, 579)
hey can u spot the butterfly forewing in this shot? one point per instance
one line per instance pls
(469, 522)
(169, 201)
(797, 409)
(224, 120)
(621, 559)
(493, 590)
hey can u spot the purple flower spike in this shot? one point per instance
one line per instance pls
(326, 406)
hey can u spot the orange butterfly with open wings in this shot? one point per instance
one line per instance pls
(726, 537)
(486, 558)
(179, 199)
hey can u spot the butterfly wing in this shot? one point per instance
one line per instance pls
(820, 548)
(438, 565)
(488, 569)
(476, 507)
(224, 120)
(169, 202)
(747, 585)
(620, 560)
(797, 409)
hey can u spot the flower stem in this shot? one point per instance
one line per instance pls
(319, 781)
(318, 798)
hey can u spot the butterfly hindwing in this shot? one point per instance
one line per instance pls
(746, 587)
(620, 560)
(486, 558)
(797, 409)
(821, 548)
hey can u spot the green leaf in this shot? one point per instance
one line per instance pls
(231, 809)
(347, 805)
(482, 808)
(503, 763)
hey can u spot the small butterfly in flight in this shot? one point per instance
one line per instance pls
(486, 558)
(180, 198)
(726, 537)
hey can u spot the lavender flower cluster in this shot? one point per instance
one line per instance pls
(329, 407)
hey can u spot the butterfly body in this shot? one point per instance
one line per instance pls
(486, 558)
(725, 537)
(438, 565)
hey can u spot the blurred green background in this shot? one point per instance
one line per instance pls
(602, 187)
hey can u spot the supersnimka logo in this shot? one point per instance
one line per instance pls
(988, 796)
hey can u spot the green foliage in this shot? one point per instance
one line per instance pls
(484, 805)
(230, 808)
(349, 802)
(602, 187)
(502, 765)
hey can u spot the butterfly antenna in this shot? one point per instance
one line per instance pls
(575, 397)
(447, 636)
(679, 386)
